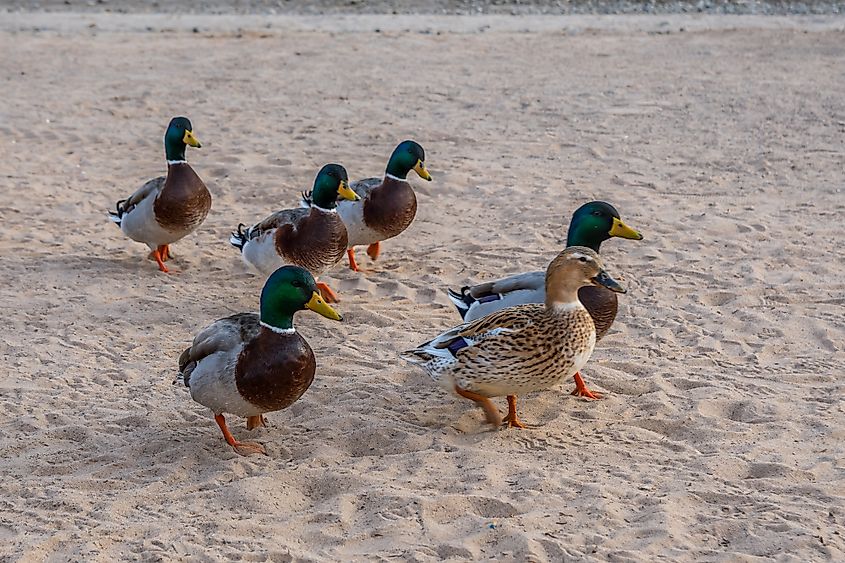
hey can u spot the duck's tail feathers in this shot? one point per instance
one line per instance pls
(306, 200)
(119, 209)
(186, 366)
(416, 356)
(444, 347)
(239, 237)
(462, 300)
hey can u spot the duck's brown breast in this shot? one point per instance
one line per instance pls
(274, 370)
(317, 241)
(390, 208)
(184, 201)
(602, 304)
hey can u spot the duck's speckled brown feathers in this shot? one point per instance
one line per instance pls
(274, 370)
(533, 357)
(314, 241)
(512, 318)
(602, 304)
(390, 207)
(184, 201)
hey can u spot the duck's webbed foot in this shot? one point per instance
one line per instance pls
(581, 389)
(490, 410)
(512, 420)
(241, 448)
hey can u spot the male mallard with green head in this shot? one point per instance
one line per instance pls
(170, 207)
(520, 349)
(387, 206)
(592, 224)
(313, 238)
(249, 364)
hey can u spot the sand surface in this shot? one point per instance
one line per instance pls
(721, 435)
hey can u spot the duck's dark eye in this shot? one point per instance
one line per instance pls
(597, 213)
(296, 283)
(582, 259)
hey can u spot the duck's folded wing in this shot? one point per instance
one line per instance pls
(278, 219)
(525, 281)
(365, 186)
(224, 335)
(467, 337)
(151, 188)
(512, 318)
(471, 333)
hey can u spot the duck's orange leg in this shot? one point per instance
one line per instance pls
(512, 420)
(374, 250)
(581, 388)
(350, 253)
(156, 255)
(241, 448)
(253, 422)
(328, 294)
(164, 250)
(493, 416)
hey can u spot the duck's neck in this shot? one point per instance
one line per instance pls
(562, 299)
(564, 307)
(280, 322)
(397, 170)
(579, 235)
(324, 198)
(174, 150)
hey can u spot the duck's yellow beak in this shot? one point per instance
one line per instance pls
(346, 192)
(421, 171)
(620, 229)
(317, 305)
(189, 139)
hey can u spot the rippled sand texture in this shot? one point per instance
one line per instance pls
(722, 429)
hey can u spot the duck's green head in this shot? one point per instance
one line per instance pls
(179, 133)
(595, 222)
(288, 290)
(331, 182)
(408, 156)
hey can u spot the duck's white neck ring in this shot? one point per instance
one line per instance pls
(392, 177)
(172, 162)
(323, 209)
(278, 330)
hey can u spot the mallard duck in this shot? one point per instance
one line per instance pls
(520, 349)
(249, 364)
(313, 238)
(592, 224)
(387, 205)
(166, 208)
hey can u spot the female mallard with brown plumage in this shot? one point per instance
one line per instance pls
(249, 364)
(521, 349)
(313, 238)
(387, 206)
(592, 224)
(170, 207)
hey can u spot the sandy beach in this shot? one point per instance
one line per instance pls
(721, 436)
